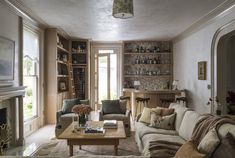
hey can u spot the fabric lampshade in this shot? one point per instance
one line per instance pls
(123, 9)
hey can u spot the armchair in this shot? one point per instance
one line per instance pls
(116, 110)
(65, 116)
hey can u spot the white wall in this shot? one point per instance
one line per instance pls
(191, 49)
(9, 28)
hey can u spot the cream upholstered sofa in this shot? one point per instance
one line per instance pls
(184, 124)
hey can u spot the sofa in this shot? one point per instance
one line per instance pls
(65, 116)
(184, 124)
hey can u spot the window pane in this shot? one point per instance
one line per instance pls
(113, 76)
(30, 71)
(30, 99)
(105, 51)
(29, 66)
(30, 44)
(103, 72)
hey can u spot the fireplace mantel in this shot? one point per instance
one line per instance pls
(11, 92)
(18, 122)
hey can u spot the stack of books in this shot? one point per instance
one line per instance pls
(110, 123)
(94, 131)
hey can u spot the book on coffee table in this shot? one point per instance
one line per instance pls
(94, 131)
(110, 123)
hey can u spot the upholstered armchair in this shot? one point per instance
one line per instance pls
(116, 110)
(65, 116)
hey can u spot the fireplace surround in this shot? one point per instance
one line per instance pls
(11, 108)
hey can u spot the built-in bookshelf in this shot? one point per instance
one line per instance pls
(149, 62)
(57, 72)
(79, 60)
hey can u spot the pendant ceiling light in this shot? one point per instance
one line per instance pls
(123, 9)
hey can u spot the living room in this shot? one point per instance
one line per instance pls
(137, 62)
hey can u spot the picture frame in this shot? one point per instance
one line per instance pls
(62, 85)
(7, 60)
(202, 70)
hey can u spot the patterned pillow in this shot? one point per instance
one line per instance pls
(163, 122)
(145, 116)
(166, 111)
(209, 142)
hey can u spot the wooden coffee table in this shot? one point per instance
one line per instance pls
(111, 136)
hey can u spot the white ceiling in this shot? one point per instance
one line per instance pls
(92, 19)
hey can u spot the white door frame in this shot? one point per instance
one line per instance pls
(95, 46)
(227, 28)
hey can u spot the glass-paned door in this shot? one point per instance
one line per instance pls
(30, 73)
(103, 78)
(107, 75)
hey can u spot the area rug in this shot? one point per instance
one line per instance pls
(59, 148)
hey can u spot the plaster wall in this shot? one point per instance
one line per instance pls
(9, 28)
(188, 52)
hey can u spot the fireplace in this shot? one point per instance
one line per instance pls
(3, 122)
(3, 116)
(11, 113)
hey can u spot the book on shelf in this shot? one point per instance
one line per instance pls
(110, 123)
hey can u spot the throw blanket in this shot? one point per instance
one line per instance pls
(208, 122)
(163, 149)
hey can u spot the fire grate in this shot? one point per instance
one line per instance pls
(5, 136)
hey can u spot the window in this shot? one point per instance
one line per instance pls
(30, 72)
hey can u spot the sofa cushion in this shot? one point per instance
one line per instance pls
(85, 101)
(226, 149)
(163, 122)
(209, 142)
(145, 116)
(175, 105)
(123, 106)
(188, 124)
(180, 111)
(155, 137)
(166, 111)
(111, 107)
(119, 117)
(225, 128)
(69, 116)
(68, 105)
(188, 150)
(143, 129)
(65, 120)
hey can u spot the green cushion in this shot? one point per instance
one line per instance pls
(123, 106)
(85, 101)
(111, 107)
(68, 105)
